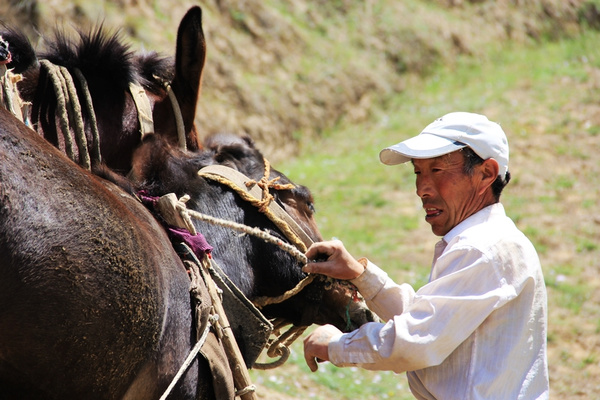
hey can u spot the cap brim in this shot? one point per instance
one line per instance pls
(422, 146)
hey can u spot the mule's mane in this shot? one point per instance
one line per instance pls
(104, 56)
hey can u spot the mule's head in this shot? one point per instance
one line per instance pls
(125, 89)
(258, 268)
(323, 301)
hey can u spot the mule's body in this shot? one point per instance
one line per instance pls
(94, 302)
(93, 297)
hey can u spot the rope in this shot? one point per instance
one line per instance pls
(195, 276)
(69, 109)
(267, 237)
(96, 156)
(188, 361)
(55, 77)
(280, 346)
(76, 115)
(247, 390)
(262, 204)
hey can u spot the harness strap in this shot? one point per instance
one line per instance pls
(239, 182)
(178, 117)
(144, 111)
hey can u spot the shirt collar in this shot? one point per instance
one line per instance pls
(479, 217)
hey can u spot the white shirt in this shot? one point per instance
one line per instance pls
(477, 330)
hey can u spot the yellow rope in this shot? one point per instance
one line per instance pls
(55, 78)
(96, 156)
(263, 204)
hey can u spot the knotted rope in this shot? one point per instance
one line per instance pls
(266, 184)
(70, 114)
(263, 204)
(280, 345)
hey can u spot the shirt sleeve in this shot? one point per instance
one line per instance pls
(423, 328)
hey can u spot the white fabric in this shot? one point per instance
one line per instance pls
(477, 330)
(449, 133)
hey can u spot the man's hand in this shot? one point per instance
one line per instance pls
(316, 345)
(333, 260)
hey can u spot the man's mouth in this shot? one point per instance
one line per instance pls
(432, 212)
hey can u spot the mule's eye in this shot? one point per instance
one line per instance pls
(311, 206)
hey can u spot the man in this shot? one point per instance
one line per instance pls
(477, 330)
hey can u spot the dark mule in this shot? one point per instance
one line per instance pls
(258, 268)
(109, 68)
(94, 302)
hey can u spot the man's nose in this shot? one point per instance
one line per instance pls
(424, 186)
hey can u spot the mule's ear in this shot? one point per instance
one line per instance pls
(189, 64)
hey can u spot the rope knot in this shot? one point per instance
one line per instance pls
(266, 184)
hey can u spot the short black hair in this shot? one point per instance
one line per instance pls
(471, 160)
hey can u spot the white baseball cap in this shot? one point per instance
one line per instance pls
(450, 133)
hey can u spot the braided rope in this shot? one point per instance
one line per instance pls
(75, 115)
(97, 157)
(69, 113)
(55, 77)
(259, 233)
(281, 224)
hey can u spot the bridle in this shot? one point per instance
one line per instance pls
(69, 111)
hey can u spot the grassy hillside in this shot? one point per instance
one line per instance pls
(281, 71)
(547, 100)
(332, 82)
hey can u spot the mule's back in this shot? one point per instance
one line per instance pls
(85, 277)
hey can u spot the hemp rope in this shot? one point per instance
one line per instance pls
(55, 77)
(92, 113)
(69, 109)
(263, 204)
(195, 276)
(279, 347)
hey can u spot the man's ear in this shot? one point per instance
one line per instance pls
(489, 171)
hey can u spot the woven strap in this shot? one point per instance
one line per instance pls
(142, 103)
(239, 180)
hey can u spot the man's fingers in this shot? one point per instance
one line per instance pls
(314, 268)
(311, 362)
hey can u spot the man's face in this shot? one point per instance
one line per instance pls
(449, 195)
